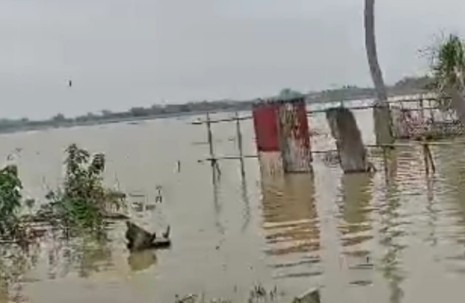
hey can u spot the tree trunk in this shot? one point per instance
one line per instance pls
(381, 113)
(372, 54)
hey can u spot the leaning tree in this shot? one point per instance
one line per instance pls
(381, 112)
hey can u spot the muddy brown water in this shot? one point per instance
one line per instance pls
(398, 237)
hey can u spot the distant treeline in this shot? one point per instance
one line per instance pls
(409, 85)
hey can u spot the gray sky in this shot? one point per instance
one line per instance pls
(124, 53)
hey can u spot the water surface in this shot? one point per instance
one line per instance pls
(395, 237)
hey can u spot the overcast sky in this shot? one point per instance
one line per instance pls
(124, 53)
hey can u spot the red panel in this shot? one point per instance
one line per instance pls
(265, 118)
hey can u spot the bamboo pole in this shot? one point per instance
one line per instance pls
(212, 159)
(210, 136)
(239, 144)
(422, 110)
(425, 158)
(428, 158)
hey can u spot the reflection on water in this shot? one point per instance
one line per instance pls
(392, 229)
(290, 222)
(355, 208)
(83, 256)
(432, 212)
(216, 184)
(355, 227)
(15, 262)
(397, 236)
(452, 177)
(245, 197)
(142, 260)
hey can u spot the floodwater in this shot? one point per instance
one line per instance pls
(390, 237)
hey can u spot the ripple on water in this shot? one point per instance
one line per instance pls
(291, 226)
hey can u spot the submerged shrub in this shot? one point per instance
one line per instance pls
(10, 200)
(83, 199)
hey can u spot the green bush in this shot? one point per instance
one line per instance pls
(83, 199)
(10, 200)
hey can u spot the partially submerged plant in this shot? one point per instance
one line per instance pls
(30, 204)
(10, 200)
(14, 263)
(83, 199)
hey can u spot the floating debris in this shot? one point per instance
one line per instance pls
(140, 239)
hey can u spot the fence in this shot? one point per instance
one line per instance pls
(418, 118)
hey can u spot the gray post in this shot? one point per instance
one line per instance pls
(349, 142)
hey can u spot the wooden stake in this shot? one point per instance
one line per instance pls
(239, 144)
(210, 137)
(425, 158)
(428, 158)
(213, 160)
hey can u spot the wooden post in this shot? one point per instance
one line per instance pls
(213, 160)
(210, 137)
(428, 158)
(239, 144)
(245, 195)
(431, 161)
(425, 158)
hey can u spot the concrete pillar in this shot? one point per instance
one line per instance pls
(282, 127)
(294, 136)
(348, 139)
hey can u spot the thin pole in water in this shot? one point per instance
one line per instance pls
(210, 137)
(213, 160)
(239, 144)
